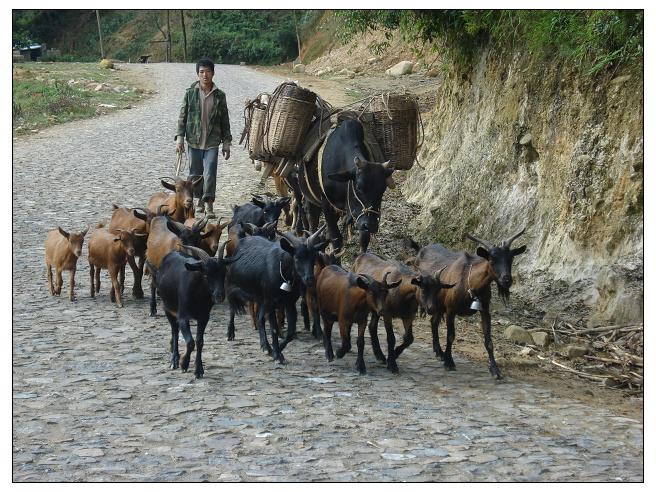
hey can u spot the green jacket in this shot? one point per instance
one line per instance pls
(189, 124)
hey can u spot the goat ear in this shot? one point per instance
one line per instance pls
(63, 232)
(362, 282)
(342, 176)
(117, 238)
(416, 281)
(115, 207)
(518, 251)
(258, 202)
(194, 266)
(287, 245)
(203, 235)
(482, 252)
(167, 185)
(139, 214)
(174, 227)
(321, 246)
(281, 202)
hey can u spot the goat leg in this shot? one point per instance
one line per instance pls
(290, 311)
(375, 343)
(97, 280)
(71, 287)
(264, 343)
(114, 273)
(200, 341)
(49, 279)
(175, 355)
(449, 364)
(435, 324)
(137, 271)
(231, 325)
(59, 280)
(121, 279)
(305, 313)
(92, 274)
(345, 334)
(408, 337)
(359, 362)
(327, 342)
(391, 341)
(486, 326)
(183, 325)
(153, 296)
(277, 351)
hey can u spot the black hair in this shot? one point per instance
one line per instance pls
(204, 62)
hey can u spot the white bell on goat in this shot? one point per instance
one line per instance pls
(476, 304)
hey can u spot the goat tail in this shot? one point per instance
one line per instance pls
(409, 243)
(237, 300)
(100, 225)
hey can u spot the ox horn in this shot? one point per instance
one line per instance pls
(437, 274)
(488, 245)
(195, 252)
(507, 242)
(388, 165)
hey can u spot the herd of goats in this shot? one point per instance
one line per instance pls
(266, 272)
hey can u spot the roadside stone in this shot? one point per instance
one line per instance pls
(432, 72)
(401, 68)
(541, 338)
(621, 79)
(517, 334)
(575, 351)
(375, 59)
(300, 68)
(89, 452)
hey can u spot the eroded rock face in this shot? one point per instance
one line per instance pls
(513, 144)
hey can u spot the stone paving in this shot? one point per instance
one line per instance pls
(94, 400)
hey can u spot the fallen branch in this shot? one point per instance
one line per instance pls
(601, 329)
(579, 373)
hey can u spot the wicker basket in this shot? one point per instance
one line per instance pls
(256, 134)
(397, 127)
(288, 119)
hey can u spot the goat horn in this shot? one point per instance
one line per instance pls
(86, 229)
(385, 279)
(437, 274)
(316, 234)
(222, 248)
(202, 221)
(487, 244)
(340, 254)
(195, 252)
(159, 209)
(507, 242)
(168, 177)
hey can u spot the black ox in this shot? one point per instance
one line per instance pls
(345, 182)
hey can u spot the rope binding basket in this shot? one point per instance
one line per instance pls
(397, 127)
(289, 115)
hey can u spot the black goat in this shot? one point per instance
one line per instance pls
(189, 288)
(261, 211)
(472, 276)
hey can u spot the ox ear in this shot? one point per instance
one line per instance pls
(63, 232)
(483, 253)
(194, 266)
(518, 251)
(342, 176)
(447, 286)
(359, 163)
(167, 185)
(287, 245)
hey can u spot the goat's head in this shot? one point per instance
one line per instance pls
(429, 287)
(184, 190)
(376, 291)
(271, 207)
(189, 236)
(500, 259)
(214, 269)
(75, 240)
(128, 239)
(267, 231)
(304, 251)
(212, 235)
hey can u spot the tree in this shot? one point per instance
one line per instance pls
(102, 51)
(184, 37)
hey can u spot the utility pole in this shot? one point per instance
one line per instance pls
(184, 37)
(102, 51)
(298, 38)
(168, 36)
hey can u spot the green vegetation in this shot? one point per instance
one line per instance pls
(42, 95)
(593, 40)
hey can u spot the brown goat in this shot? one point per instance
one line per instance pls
(402, 302)
(472, 276)
(179, 204)
(110, 251)
(212, 235)
(62, 252)
(348, 298)
(138, 220)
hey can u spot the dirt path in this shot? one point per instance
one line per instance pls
(93, 398)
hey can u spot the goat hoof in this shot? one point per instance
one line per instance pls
(138, 294)
(231, 338)
(450, 367)
(361, 369)
(381, 357)
(392, 367)
(340, 353)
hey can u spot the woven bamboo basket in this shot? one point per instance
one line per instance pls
(288, 119)
(256, 134)
(397, 127)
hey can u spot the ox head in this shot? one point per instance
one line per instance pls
(500, 259)
(75, 240)
(367, 182)
(128, 239)
(304, 251)
(184, 190)
(213, 269)
(271, 207)
(376, 291)
(429, 287)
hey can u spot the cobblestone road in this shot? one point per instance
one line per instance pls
(93, 398)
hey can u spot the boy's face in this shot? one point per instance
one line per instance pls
(205, 75)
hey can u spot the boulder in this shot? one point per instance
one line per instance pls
(300, 68)
(104, 63)
(401, 68)
(541, 338)
(575, 351)
(433, 72)
(375, 59)
(518, 334)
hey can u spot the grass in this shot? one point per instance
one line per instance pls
(46, 94)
